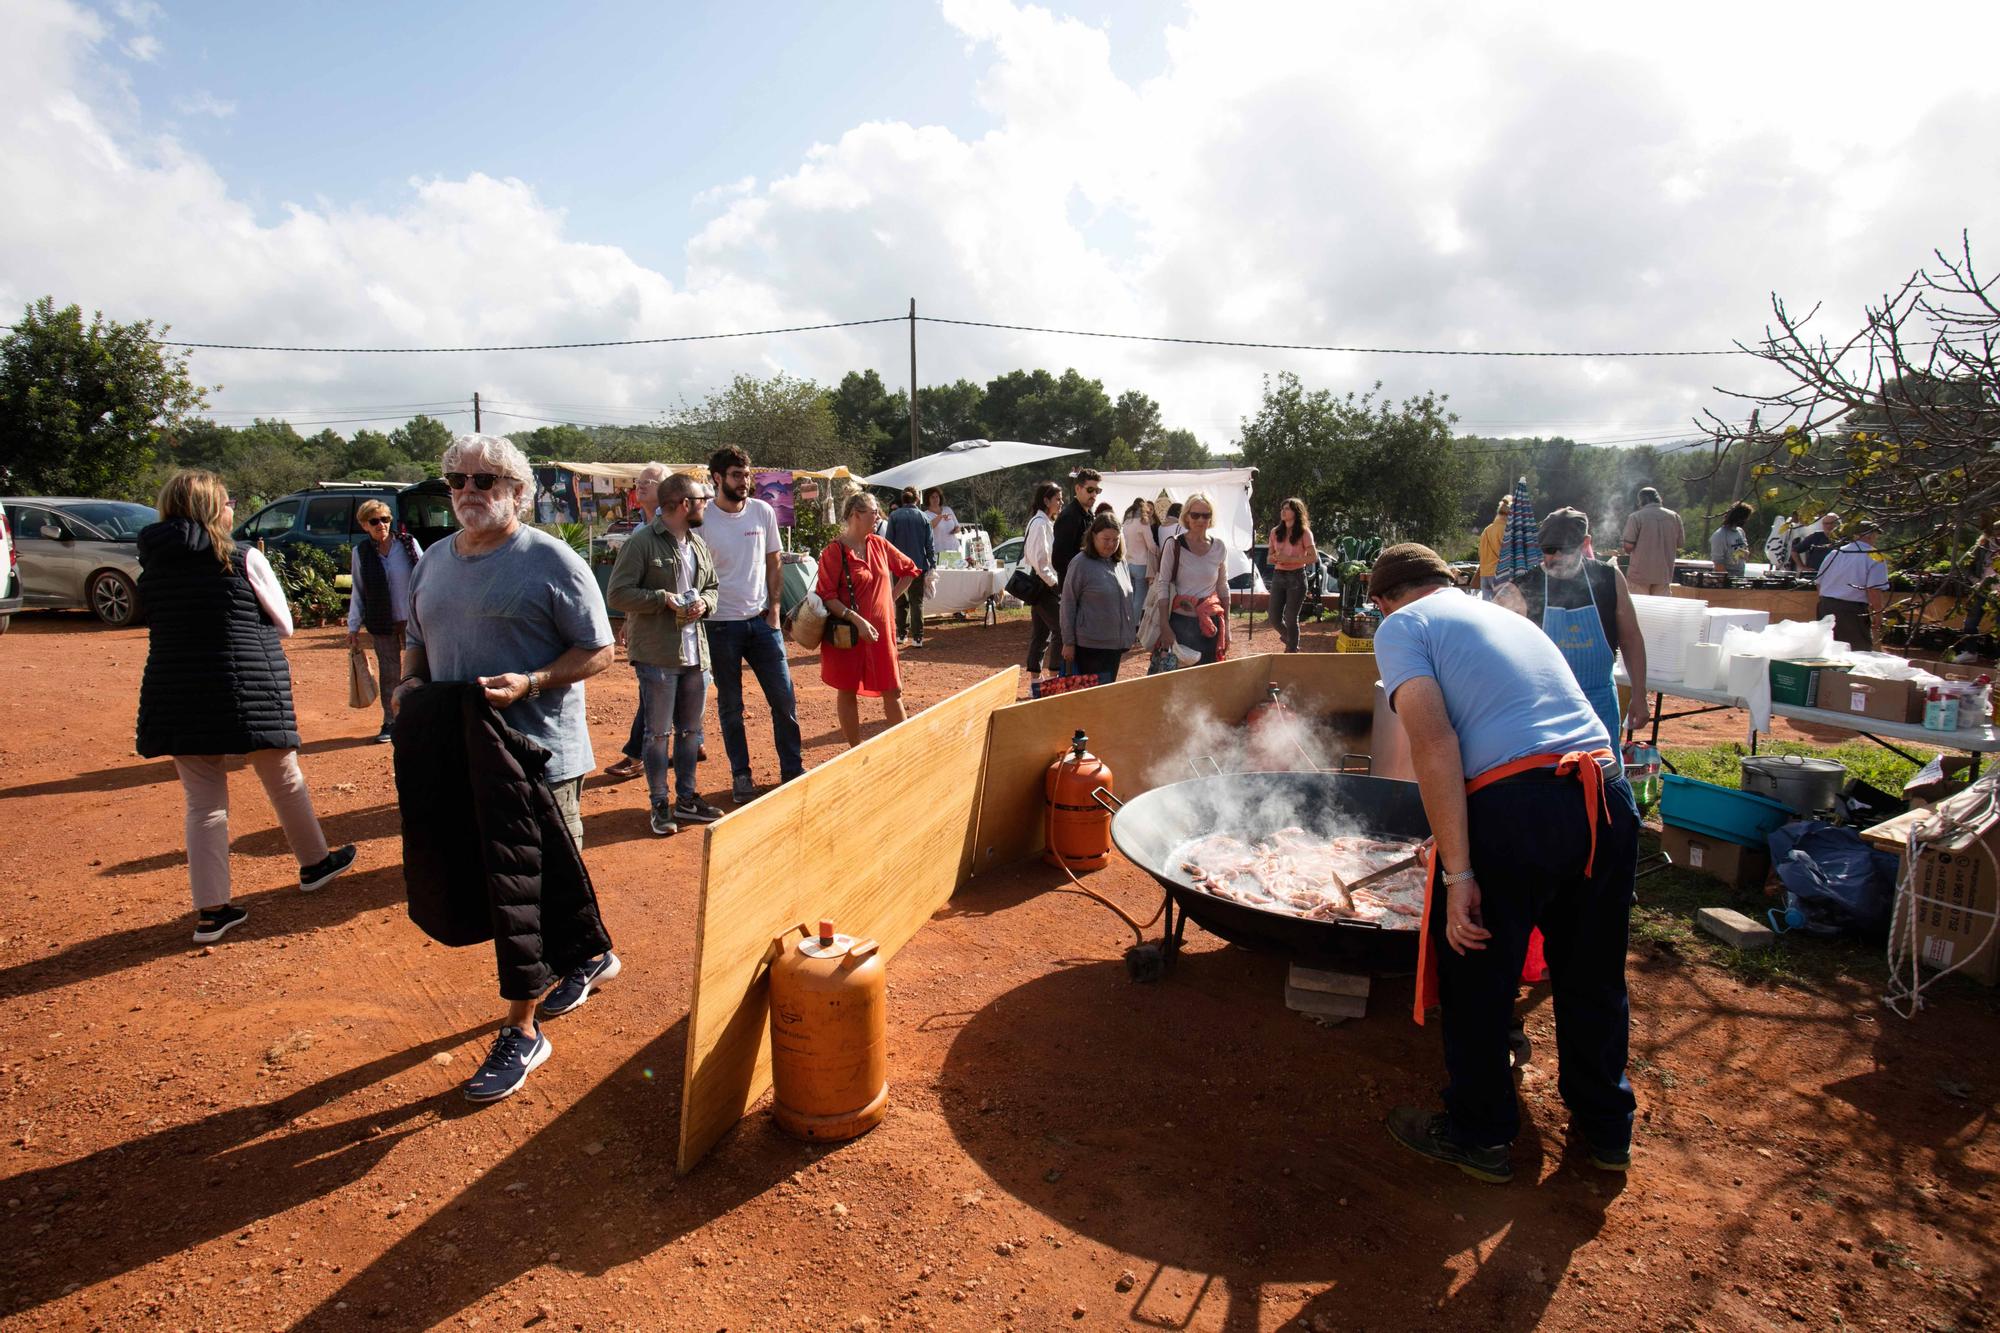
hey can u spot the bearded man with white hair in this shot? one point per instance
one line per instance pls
(516, 611)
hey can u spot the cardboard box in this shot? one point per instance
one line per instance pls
(1797, 681)
(1865, 696)
(1956, 897)
(1742, 867)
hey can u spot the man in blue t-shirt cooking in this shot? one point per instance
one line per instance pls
(1534, 828)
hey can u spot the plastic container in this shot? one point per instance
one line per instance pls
(1805, 785)
(1720, 812)
(1940, 711)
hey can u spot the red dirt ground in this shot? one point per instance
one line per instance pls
(269, 1134)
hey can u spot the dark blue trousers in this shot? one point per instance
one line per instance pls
(1529, 845)
(733, 645)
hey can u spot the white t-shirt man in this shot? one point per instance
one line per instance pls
(739, 544)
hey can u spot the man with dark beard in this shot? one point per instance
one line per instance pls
(744, 541)
(516, 611)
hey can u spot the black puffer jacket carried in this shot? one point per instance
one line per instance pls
(486, 855)
(216, 678)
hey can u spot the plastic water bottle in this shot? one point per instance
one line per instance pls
(1642, 771)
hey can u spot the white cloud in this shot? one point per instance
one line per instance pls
(202, 102)
(144, 47)
(1490, 177)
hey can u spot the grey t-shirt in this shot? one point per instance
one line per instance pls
(517, 608)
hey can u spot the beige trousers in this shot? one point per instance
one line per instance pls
(1652, 589)
(205, 782)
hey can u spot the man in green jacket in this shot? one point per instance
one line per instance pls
(664, 582)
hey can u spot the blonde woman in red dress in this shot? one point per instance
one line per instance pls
(860, 577)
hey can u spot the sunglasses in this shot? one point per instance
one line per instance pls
(483, 480)
(1092, 490)
(376, 522)
(1198, 513)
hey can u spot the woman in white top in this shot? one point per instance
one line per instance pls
(944, 523)
(1038, 554)
(1196, 567)
(1142, 548)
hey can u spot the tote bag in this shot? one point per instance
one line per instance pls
(361, 687)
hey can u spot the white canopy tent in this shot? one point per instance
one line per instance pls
(1229, 488)
(967, 458)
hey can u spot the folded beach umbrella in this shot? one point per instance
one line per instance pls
(1520, 544)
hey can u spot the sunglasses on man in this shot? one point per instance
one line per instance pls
(483, 480)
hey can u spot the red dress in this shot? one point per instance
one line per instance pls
(870, 668)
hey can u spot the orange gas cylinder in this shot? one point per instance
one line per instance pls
(829, 1034)
(1078, 829)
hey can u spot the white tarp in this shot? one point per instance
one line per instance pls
(967, 458)
(1228, 487)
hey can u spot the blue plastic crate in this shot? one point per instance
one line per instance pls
(1720, 812)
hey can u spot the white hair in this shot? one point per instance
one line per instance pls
(501, 455)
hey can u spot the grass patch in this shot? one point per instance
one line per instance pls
(1864, 760)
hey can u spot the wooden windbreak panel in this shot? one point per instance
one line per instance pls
(875, 841)
(1139, 726)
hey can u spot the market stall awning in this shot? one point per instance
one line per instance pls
(967, 458)
(1229, 488)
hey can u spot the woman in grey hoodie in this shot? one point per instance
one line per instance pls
(1099, 622)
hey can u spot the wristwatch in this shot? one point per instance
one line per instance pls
(534, 684)
(1459, 878)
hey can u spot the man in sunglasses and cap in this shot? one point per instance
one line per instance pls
(1534, 827)
(517, 613)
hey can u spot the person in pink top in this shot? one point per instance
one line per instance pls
(1291, 554)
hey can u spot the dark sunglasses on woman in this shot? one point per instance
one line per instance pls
(483, 480)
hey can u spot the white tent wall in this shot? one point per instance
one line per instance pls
(1229, 488)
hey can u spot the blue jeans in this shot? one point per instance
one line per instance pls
(732, 644)
(670, 700)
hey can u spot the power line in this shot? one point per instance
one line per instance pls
(357, 407)
(532, 347)
(1314, 347)
(962, 323)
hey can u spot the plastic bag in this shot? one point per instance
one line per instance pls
(1835, 884)
(1788, 639)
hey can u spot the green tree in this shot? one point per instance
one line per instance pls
(84, 408)
(1120, 457)
(1177, 449)
(1135, 419)
(781, 421)
(1387, 466)
(422, 439)
(371, 451)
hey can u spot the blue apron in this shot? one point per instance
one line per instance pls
(1579, 635)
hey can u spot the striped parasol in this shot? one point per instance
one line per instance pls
(1520, 545)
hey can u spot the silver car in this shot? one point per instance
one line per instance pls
(79, 553)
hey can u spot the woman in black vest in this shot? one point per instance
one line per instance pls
(382, 568)
(217, 684)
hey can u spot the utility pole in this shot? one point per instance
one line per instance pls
(475, 414)
(913, 379)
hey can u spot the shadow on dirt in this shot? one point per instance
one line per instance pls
(273, 913)
(146, 773)
(1257, 1165)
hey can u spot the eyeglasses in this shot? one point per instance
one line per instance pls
(483, 480)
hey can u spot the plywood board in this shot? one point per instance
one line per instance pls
(1145, 727)
(875, 841)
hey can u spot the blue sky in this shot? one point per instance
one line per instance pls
(620, 114)
(1553, 175)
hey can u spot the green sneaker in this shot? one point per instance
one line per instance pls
(1604, 1159)
(1428, 1134)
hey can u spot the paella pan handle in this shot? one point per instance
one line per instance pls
(1214, 767)
(1103, 796)
(1357, 763)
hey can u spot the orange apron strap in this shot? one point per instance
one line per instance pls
(1588, 767)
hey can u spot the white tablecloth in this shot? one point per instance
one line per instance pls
(964, 590)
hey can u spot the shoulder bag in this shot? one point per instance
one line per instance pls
(842, 633)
